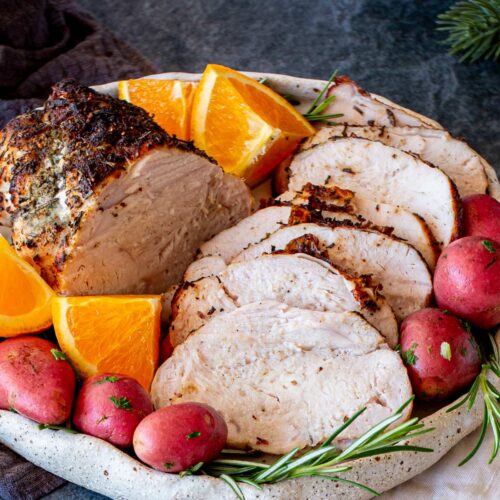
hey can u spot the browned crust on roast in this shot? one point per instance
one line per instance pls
(97, 138)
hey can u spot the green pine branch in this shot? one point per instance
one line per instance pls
(473, 29)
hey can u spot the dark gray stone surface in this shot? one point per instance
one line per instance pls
(388, 46)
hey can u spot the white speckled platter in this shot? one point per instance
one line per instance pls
(99, 466)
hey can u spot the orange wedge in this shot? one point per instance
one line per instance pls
(169, 101)
(247, 127)
(117, 334)
(24, 296)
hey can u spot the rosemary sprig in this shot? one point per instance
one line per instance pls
(315, 112)
(491, 397)
(473, 28)
(326, 461)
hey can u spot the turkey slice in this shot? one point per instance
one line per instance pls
(268, 368)
(401, 271)
(297, 280)
(454, 156)
(359, 107)
(383, 174)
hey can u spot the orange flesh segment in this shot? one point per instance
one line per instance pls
(110, 334)
(168, 101)
(24, 296)
(244, 125)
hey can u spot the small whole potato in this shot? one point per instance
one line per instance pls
(481, 216)
(36, 380)
(110, 406)
(441, 356)
(467, 280)
(177, 437)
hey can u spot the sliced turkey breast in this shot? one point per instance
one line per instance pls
(404, 224)
(455, 157)
(284, 377)
(383, 174)
(103, 201)
(248, 231)
(359, 107)
(297, 280)
(401, 271)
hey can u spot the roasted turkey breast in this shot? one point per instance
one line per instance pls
(102, 200)
(284, 377)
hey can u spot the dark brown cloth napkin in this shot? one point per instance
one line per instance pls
(42, 42)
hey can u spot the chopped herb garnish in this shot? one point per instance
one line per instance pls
(121, 402)
(445, 351)
(194, 434)
(12, 409)
(398, 348)
(429, 349)
(465, 325)
(191, 470)
(488, 245)
(168, 465)
(107, 378)
(56, 428)
(445, 311)
(409, 356)
(58, 355)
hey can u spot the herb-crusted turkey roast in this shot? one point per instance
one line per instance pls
(102, 200)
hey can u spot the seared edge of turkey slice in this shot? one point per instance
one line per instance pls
(284, 364)
(383, 174)
(404, 276)
(454, 156)
(365, 213)
(298, 280)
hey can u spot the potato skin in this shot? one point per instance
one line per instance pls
(97, 415)
(432, 375)
(467, 280)
(33, 382)
(481, 216)
(177, 437)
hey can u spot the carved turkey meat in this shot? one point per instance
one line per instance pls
(101, 200)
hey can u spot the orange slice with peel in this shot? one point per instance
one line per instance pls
(24, 296)
(168, 101)
(247, 127)
(117, 334)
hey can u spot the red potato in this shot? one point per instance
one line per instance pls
(177, 437)
(481, 216)
(35, 380)
(441, 356)
(110, 406)
(467, 280)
